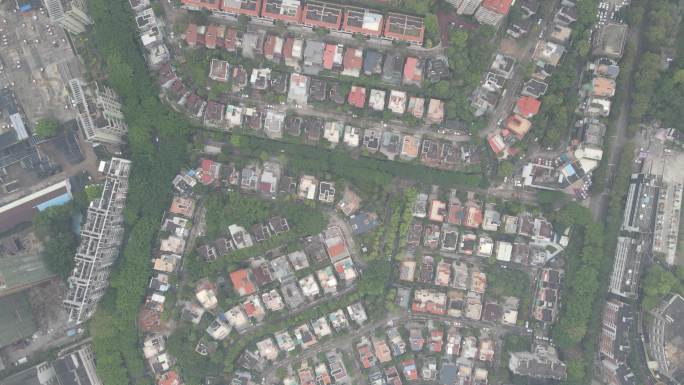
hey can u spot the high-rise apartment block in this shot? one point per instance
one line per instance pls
(99, 113)
(69, 14)
(101, 237)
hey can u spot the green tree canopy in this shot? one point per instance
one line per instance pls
(46, 128)
(55, 228)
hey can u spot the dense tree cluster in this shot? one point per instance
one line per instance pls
(582, 290)
(468, 53)
(558, 105)
(365, 173)
(157, 138)
(655, 95)
(616, 203)
(507, 282)
(668, 106)
(226, 209)
(514, 343)
(55, 227)
(658, 282)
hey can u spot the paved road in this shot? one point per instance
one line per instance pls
(345, 342)
(344, 118)
(599, 203)
(514, 85)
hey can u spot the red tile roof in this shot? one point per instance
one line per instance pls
(410, 73)
(498, 6)
(214, 34)
(336, 250)
(329, 55)
(207, 171)
(287, 47)
(242, 283)
(269, 45)
(170, 378)
(527, 106)
(351, 60)
(496, 145)
(357, 97)
(250, 309)
(231, 39)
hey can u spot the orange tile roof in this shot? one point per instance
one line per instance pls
(528, 106)
(170, 378)
(336, 249)
(351, 60)
(242, 283)
(410, 69)
(329, 55)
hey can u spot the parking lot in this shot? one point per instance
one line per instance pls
(36, 60)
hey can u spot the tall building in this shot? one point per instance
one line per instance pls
(41, 374)
(99, 113)
(69, 14)
(616, 322)
(543, 362)
(76, 366)
(465, 7)
(101, 237)
(666, 338)
(626, 266)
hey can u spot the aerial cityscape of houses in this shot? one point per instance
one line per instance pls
(266, 192)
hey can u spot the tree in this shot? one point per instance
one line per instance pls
(374, 278)
(420, 7)
(46, 128)
(442, 89)
(54, 227)
(506, 168)
(431, 27)
(548, 199)
(243, 21)
(657, 283)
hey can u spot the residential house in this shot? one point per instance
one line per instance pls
(352, 62)
(492, 12)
